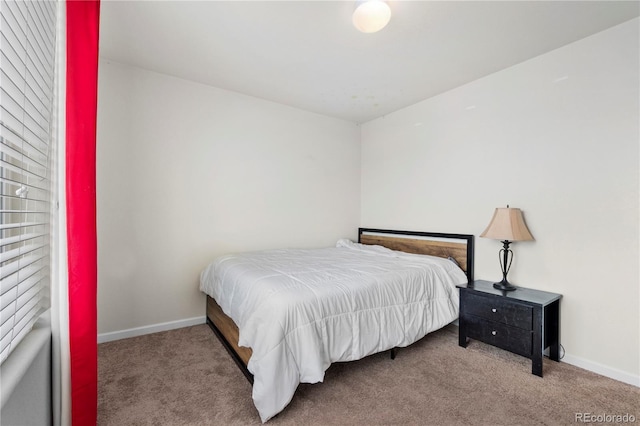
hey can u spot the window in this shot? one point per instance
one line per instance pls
(27, 69)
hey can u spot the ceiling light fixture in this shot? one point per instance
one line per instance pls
(371, 15)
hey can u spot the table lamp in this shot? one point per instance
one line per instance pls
(507, 225)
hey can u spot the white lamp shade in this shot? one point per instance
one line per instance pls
(507, 224)
(371, 16)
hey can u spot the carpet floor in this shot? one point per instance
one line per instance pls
(185, 377)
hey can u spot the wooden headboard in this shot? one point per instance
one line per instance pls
(458, 246)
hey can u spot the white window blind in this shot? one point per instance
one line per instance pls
(27, 47)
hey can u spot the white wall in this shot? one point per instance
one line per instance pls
(187, 172)
(556, 136)
(25, 388)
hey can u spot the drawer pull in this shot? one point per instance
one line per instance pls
(494, 310)
(493, 333)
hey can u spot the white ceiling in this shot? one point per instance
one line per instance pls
(308, 55)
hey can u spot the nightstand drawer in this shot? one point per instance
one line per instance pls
(523, 321)
(513, 339)
(500, 310)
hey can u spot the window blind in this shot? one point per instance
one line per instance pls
(27, 56)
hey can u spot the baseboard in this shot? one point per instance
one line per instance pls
(603, 370)
(148, 329)
(594, 367)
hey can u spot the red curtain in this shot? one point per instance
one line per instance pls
(83, 22)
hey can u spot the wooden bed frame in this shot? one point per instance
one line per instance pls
(457, 246)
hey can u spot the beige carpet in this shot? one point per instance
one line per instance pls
(185, 377)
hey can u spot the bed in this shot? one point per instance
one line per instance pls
(286, 315)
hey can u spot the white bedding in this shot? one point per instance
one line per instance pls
(301, 310)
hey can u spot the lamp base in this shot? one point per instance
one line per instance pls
(504, 285)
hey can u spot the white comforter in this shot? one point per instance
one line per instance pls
(301, 310)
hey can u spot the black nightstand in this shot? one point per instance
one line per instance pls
(522, 321)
